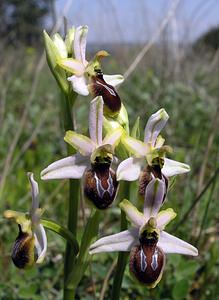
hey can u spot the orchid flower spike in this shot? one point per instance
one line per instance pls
(93, 160)
(146, 241)
(87, 76)
(31, 233)
(149, 159)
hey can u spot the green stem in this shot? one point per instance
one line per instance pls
(122, 256)
(204, 219)
(90, 232)
(121, 264)
(63, 232)
(73, 199)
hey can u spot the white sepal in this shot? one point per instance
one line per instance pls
(114, 80)
(79, 84)
(172, 167)
(34, 192)
(130, 169)
(40, 242)
(96, 120)
(155, 124)
(172, 244)
(80, 41)
(122, 241)
(154, 194)
(69, 167)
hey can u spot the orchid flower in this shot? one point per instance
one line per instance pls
(148, 161)
(146, 241)
(31, 232)
(93, 160)
(87, 76)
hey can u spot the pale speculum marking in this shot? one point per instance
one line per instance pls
(143, 260)
(154, 263)
(100, 189)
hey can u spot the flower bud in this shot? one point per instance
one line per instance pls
(69, 39)
(147, 263)
(100, 184)
(23, 250)
(60, 45)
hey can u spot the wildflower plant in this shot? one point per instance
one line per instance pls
(99, 166)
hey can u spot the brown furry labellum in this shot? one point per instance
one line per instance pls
(111, 99)
(23, 250)
(147, 175)
(146, 264)
(100, 185)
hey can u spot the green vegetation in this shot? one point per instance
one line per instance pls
(191, 100)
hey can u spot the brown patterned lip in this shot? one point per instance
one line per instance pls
(146, 176)
(100, 185)
(110, 97)
(146, 263)
(23, 250)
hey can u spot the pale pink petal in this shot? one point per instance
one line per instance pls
(80, 142)
(34, 216)
(172, 167)
(96, 120)
(69, 167)
(79, 85)
(72, 65)
(122, 241)
(172, 244)
(135, 146)
(154, 126)
(130, 169)
(164, 217)
(154, 194)
(34, 192)
(113, 138)
(80, 41)
(132, 213)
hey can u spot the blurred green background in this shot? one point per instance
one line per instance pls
(179, 72)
